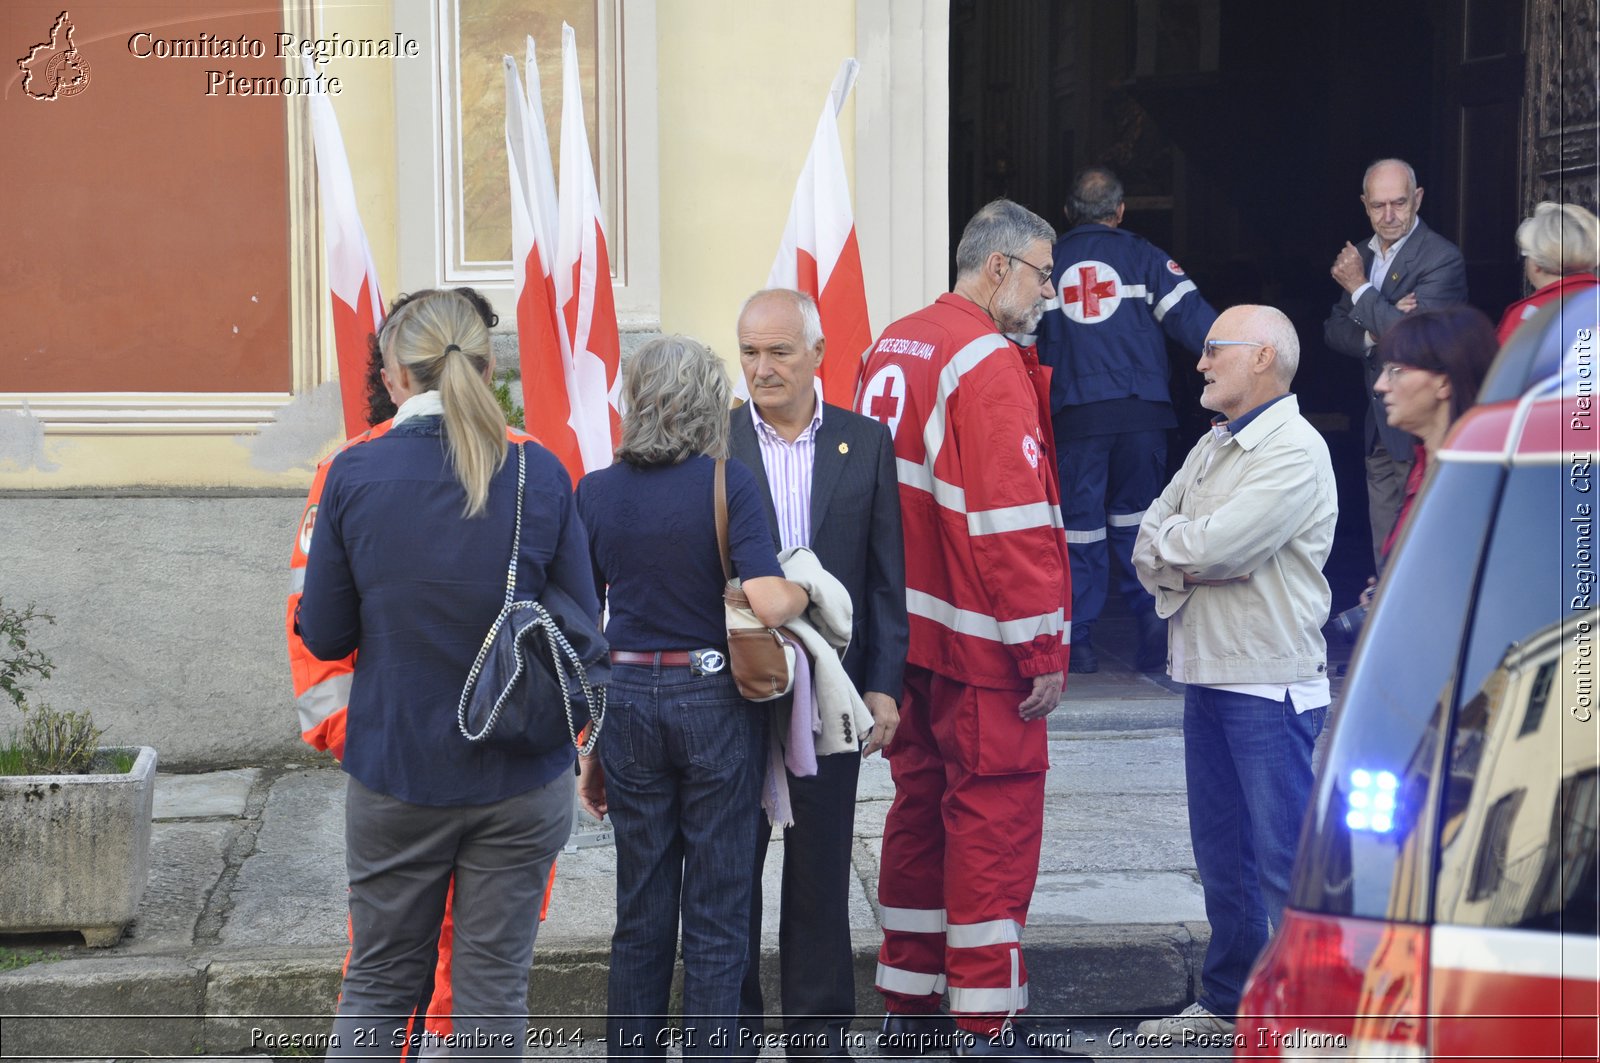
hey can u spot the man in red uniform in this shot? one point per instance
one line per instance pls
(988, 592)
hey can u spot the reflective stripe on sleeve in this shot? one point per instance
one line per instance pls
(1014, 518)
(948, 495)
(977, 935)
(966, 622)
(1093, 535)
(297, 580)
(911, 983)
(1125, 520)
(963, 362)
(913, 920)
(1172, 299)
(323, 699)
(1004, 1000)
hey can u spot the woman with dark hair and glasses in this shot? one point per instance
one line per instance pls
(681, 758)
(1434, 361)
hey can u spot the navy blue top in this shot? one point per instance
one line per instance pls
(1126, 296)
(398, 574)
(653, 534)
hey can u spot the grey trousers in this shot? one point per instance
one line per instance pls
(1386, 489)
(401, 858)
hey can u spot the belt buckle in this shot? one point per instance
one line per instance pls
(707, 662)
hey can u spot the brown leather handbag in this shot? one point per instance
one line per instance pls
(761, 660)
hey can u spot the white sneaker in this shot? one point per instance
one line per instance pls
(1192, 1023)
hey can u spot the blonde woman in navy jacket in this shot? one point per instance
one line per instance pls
(408, 568)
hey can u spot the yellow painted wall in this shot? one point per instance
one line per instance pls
(741, 85)
(365, 108)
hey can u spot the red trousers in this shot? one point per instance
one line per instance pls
(960, 849)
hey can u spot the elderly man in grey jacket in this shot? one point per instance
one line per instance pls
(1233, 553)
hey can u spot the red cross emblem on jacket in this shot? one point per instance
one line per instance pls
(1090, 291)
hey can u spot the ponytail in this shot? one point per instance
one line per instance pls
(475, 428)
(440, 337)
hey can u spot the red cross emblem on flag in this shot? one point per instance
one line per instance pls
(1090, 291)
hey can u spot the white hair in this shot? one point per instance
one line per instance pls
(810, 316)
(1560, 238)
(1411, 175)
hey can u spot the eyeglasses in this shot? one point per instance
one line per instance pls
(1395, 370)
(1042, 271)
(1212, 345)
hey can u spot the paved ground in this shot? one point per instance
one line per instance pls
(242, 930)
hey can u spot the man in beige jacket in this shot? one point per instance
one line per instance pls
(1233, 553)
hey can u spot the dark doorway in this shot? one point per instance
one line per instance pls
(1240, 129)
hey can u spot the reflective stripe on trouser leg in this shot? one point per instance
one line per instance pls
(1137, 473)
(993, 828)
(1004, 935)
(1082, 465)
(910, 882)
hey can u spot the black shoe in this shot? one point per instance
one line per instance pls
(1152, 643)
(1081, 659)
(1017, 1041)
(932, 1034)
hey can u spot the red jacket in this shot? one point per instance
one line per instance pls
(1523, 309)
(987, 583)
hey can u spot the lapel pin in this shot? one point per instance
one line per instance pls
(844, 448)
(1394, 276)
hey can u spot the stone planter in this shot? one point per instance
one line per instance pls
(77, 850)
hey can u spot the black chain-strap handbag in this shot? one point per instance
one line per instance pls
(539, 678)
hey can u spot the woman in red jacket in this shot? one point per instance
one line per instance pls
(1560, 243)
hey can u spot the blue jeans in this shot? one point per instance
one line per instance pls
(683, 757)
(1248, 765)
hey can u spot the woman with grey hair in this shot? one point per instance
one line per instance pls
(1561, 247)
(679, 764)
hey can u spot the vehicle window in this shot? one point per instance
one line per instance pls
(1517, 822)
(1368, 843)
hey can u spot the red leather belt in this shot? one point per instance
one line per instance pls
(671, 658)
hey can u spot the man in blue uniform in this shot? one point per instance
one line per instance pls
(1105, 336)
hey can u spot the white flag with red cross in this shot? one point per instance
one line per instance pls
(583, 278)
(352, 277)
(548, 382)
(819, 254)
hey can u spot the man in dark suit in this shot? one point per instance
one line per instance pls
(828, 476)
(1404, 266)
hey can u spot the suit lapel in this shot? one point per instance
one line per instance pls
(826, 467)
(1396, 277)
(742, 443)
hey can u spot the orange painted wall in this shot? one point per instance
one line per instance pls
(144, 223)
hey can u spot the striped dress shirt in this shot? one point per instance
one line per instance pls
(788, 466)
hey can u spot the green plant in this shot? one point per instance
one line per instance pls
(508, 406)
(51, 742)
(58, 743)
(11, 959)
(21, 664)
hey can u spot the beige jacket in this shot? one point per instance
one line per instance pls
(824, 630)
(1261, 504)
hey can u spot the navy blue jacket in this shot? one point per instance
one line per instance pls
(1116, 294)
(398, 574)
